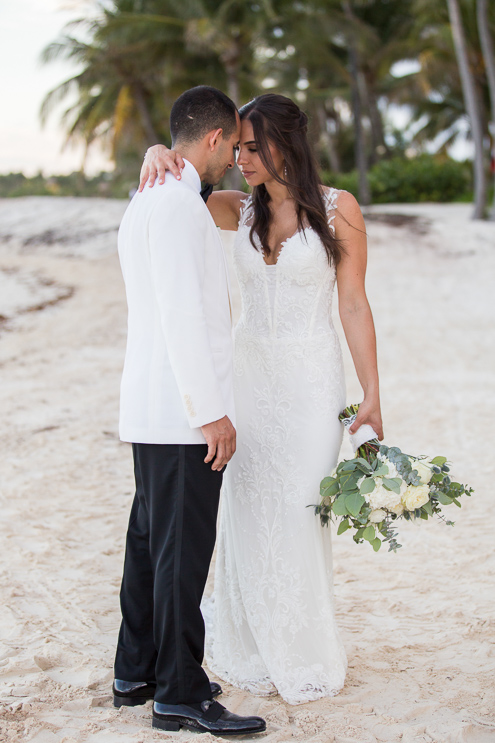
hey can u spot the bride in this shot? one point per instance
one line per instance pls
(274, 626)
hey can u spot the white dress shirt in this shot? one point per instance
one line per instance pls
(178, 365)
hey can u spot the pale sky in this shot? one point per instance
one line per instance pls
(26, 27)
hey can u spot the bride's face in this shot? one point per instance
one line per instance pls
(249, 161)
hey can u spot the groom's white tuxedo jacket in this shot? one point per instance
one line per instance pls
(178, 365)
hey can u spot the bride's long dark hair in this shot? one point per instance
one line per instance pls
(279, 120)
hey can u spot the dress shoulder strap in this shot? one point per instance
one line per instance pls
(331, 198)
(246, 204)
(331, 204)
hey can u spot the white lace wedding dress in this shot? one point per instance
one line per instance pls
(273, 615)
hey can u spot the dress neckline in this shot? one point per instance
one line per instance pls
(282, 247)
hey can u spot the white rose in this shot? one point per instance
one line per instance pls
(380, 497)
(415, 496)
(424, 471)
(376, 516)
(398, 509)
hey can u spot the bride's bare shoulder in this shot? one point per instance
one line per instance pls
(225, 208)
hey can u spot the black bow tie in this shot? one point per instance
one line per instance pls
(206, 191)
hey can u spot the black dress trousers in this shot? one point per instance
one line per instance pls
(170, 541)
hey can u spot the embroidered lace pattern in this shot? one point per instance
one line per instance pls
(273, 618)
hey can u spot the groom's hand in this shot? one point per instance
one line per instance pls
(157, 161)
(220, 437)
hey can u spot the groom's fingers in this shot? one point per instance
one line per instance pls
(220, 460)
(211, 451)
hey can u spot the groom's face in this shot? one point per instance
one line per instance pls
(223, 156)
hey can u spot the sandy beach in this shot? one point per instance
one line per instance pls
(418, 626)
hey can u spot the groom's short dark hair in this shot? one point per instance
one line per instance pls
(200, 110)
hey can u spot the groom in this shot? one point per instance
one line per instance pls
(177, 410)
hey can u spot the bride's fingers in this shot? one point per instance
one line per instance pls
(167, 162)
(357, 424)
(143, 176)
(152, 177)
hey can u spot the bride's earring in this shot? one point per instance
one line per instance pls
(285, 172)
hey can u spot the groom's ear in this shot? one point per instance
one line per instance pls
(214, 138)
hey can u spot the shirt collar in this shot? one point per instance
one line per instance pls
(191, 175)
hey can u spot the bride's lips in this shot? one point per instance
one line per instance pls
(248, 173)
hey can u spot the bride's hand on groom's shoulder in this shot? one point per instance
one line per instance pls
(369, 413)
(157, 161)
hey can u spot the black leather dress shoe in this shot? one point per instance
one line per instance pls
(132, 693)
(210, 717)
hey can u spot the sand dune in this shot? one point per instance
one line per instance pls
(418, 625)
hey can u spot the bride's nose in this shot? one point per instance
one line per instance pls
(241, 157)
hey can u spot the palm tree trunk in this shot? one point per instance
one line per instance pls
(377, 131)
(326, 139)
(472, 108)
(231, 61)
(489, 59)
(149, 129)
(364, 194)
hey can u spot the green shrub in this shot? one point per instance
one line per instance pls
(400, 180)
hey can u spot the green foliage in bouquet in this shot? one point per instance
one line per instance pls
(382, 484)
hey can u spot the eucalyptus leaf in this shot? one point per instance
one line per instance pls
(367, 486)
(326, 482)
(349, 485)
(443, 498)
(381, 470)
(331, 490)
(376, 544)
(343, 526)
(428, 508)
(439, 461)
(363, 463)
(339, 506)
(349, 465)
(369, 533)
(353, 503)
(392, 484)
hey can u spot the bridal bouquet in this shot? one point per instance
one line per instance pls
(382, 484)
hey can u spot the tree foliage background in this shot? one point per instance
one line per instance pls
(340, 59)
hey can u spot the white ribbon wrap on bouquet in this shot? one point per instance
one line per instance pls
(363, 434)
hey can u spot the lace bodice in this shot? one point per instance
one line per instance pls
(301, 283)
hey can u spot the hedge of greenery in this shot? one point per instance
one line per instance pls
(400, 180)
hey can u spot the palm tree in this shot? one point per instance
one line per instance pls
(133, 67)
(473, 108)
(357, 107)
(489, 59)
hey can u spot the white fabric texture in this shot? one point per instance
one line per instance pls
(273, 619)
(178, 369)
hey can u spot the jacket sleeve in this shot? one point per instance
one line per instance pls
(177, 241)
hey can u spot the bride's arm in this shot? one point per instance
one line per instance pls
(354, 310)
(224, 206)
